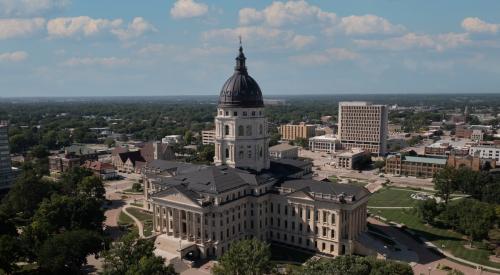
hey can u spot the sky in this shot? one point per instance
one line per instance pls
(187, 47)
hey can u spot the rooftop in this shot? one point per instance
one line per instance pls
(282, 147)
(441, 161)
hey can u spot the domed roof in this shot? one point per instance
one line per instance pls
(241, 90)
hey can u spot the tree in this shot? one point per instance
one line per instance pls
(352, 265)
(39, 151)
(131, 255)
(27, 193)
(71, 179)
(445, 182)
(428, 210)
(70, 213)
(65, 253)
(9, 253)
(188, 137)
(379, 164)
(246, 257)
(92, 187)
(109, 142)
(151, 266)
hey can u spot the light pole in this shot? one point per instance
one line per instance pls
(430, 268)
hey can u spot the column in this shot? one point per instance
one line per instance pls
(167, 218)
(161, 220)
(174, 226)
(179, 223)
(202, 225)
(155, 223)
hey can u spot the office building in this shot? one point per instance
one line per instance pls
(6, 175)
(296, 131)
(352, 159)
(208, 137)
(486, 151)
(363, 125)
(325, 143)
(415, 166)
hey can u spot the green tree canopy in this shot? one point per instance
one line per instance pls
(134, 256)
(65, 253)
(246, 257)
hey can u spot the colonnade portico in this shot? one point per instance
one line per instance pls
(179, 223)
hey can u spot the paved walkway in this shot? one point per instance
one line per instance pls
(138, 223)
(427, 259)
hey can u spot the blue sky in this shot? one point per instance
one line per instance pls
(160, 47)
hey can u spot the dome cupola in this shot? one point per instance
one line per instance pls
(240, 90)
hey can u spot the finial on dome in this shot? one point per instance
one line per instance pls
(240, 60)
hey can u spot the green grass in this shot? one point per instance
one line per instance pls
(138, 204)
(124, 219)
(443, 238)
(357, 183)
(140, 214)
(333, 179)
(389, 197)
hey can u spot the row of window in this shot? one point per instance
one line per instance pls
(241, 130)
(253, 113)
(293, 210)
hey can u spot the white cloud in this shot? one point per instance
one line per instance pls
(280, 13)
(474, 24)
(91, 61)
(188, 9)
(17, 56)
(80, 26)
(326, 56)
(135, 29)
(261, 35)
(12, 28)
(368, 24)
(408, 41)
(84, 26)
(30, 7)
(300, 41)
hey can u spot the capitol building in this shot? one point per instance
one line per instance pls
(200, 210)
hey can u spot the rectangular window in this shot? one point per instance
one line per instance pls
(324, 231)
(333, 218)
(324, 216)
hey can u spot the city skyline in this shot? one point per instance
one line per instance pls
(88, 48)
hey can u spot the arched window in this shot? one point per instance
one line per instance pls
(249, 130)
(226, 130)
(241, 154)
(260, 129)
(227, 153)
(241, 130)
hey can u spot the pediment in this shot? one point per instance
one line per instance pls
(300, 195)
(175, 196)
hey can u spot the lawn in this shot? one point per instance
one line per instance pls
(140, 214)
(124, 219)
(389, 197)
(443, 238)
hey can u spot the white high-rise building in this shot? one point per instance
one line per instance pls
(241, 136)
(6, 176)
(363, 125)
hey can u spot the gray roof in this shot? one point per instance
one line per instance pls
(329, 188)
(441, 161)
(178, 167)
(215, 179)
(282, 147)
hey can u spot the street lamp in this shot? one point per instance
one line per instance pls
(430, 268)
